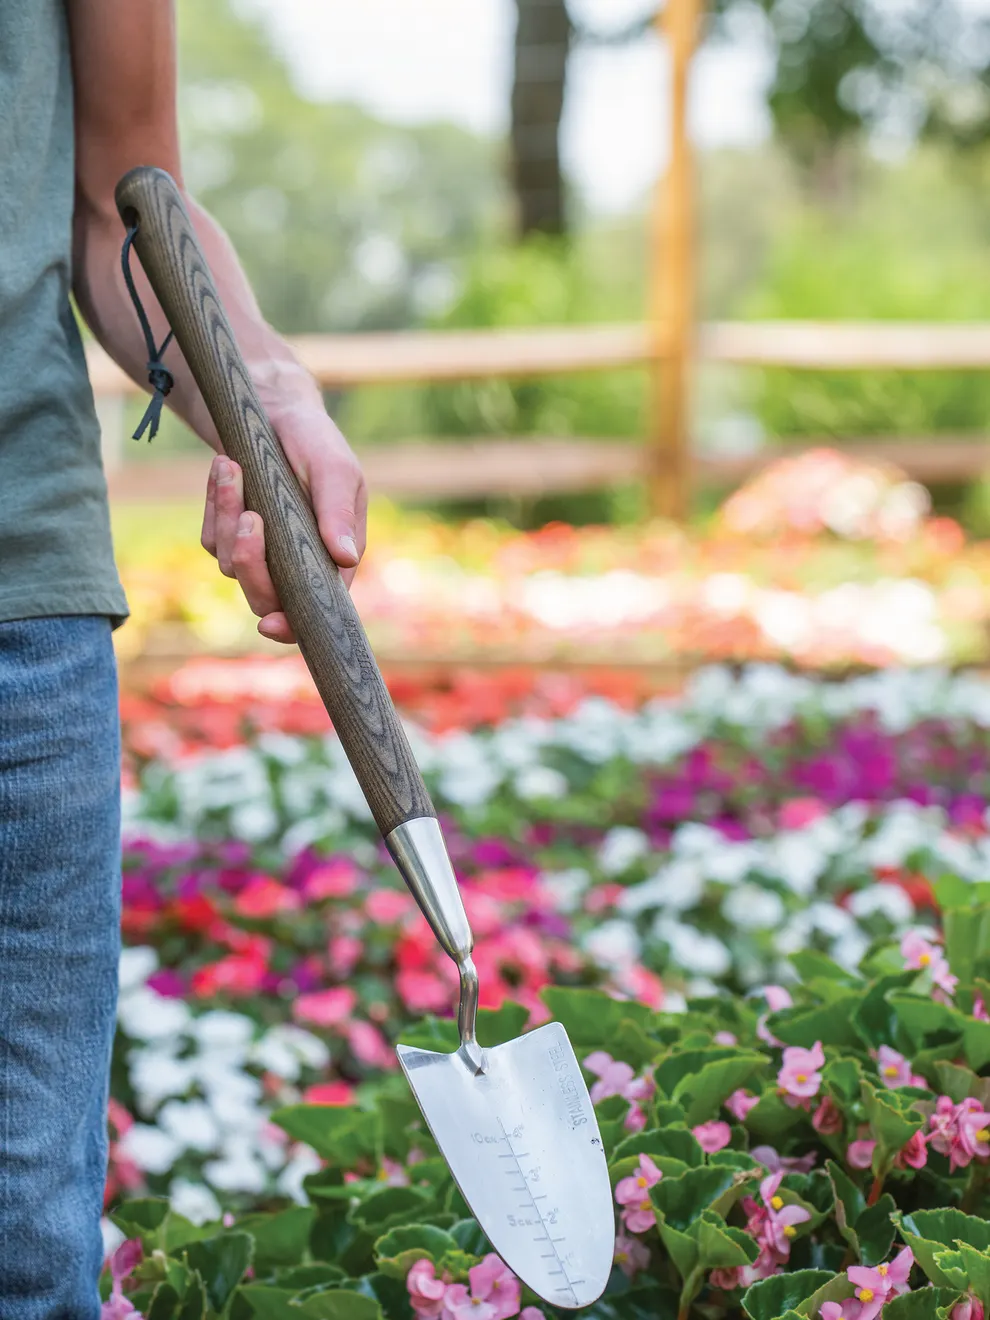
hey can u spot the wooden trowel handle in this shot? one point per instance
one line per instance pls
(315, 600)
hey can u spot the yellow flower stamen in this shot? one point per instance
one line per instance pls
(777, 1203)
(646, 1205)
(802, 1077)
(790, 1231)
(641, 1182)
(983, 1135)
(621, 1257)
(924, 959)
(882, 1270)
(865, 1294)
(890, 1070)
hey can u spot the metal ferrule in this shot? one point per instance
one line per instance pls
(418, 850)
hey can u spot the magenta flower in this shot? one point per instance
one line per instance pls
(920, 954)
(426, 1291)
(942, 1124)
(631, 1255)
(117, 1307)
(859, 1154)
(914, 1154)
(725, 1280)
(492, 1281)
(799, 1077)
(712, 1136)
(633, 1194)
(970, 1308)
(981, 1015)
(740, 1103)
(972, 1134)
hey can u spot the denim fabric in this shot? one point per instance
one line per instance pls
(59, 951)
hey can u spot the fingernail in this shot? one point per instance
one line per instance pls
(348, 545)
(245, 524)
(225, 473)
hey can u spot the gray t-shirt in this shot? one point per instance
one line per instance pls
(55, 550)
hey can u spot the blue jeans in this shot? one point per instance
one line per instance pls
(59, 950)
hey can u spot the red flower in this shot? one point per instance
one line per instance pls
(330, 1093)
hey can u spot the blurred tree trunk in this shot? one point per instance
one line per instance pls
(543, 41)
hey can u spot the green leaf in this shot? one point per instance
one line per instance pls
(927, 1022)
(875, 1231)
(849, 1202)
(280, 1239)
(953, 1266)
(957, 1083)
(874, 1017)
(836, 1290)
(832, 1024)
(432, 1033)
(634, 1046)
(921, 1304)
(390, 1207)
(340, 1304)
(977, 1267)
(221, 1262)
(195, 1301)
(976, 1043)
(340, 1135)
(399, 1249)
(929, 1233)
(722, 1247)
(268, 1303)
(141, 1219)
(770, 1298)
(681, 1200)
(496, 1026)
(677, 1143)
(679, 1063)
(164, 1303)
(771, 1119)
(892, 1126)
(682, 1248)
(591, 1017)
(967, 940)
(703, 1092)
(470, 1237)
(625, 1168)
(296, 1277)
(811, 965)
(841, 1079)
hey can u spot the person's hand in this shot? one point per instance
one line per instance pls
(329, 473)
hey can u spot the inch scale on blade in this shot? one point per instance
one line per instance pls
(533, 1204)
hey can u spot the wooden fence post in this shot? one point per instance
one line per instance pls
(673, 310)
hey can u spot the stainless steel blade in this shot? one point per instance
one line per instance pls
(522, 1142)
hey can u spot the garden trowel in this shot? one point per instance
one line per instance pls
(515, 1122)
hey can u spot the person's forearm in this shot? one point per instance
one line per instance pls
(282, 383)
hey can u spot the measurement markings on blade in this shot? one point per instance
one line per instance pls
(553, 1254)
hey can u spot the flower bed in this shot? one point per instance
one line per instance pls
(817, 1151)
(821, 561)
(660, 852)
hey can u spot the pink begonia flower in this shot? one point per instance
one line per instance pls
(943, 1125)
(827, 1118)
(492, 1281)
(847, 1310)
(740, 1103)
(712, 1136)
(768, 1157)
(914, 1154)
(531, 1313)
(122, 1262)
(921, 955)
(859, 1154)
(876, 1286)
(426, 1291)
(631, 1255)
(370, 1046)
(981, 1015)
(458, 1304)
(724, 1038)
(972, 1134)
(613, 1076)
(893, 1068)
(780, 1223)
(970, 1308)
(635, 1120)
(799, 1077)
(633, 1195)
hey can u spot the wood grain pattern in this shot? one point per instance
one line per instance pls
(315, 599)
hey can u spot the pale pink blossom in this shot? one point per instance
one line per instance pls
(914, 1154)
(799, 1077)
(740, 1103)
(970, 1308)
(531, 1313)
(972, 1134)
(942, 1125)
(633, 1194)
(774, 1163)
(848, 1310)
(631, 1255)
(859, 1154)
(920, 954)
(981, 1015)
(726, 1279)
(713, 1136)
(876, 1286)
(613, 1075)
(458, 1304)
(426, 1291)
(492, 1281)
(724, 1038)
(893, 1068)
(777, 999)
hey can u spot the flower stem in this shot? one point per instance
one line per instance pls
(875, 1190)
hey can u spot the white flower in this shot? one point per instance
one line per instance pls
(891, 900)
(798, 861)
(467, 775)
(150, 1148)
(290, 1180)
(222, 1030)
(145, 1015)
(136, 965)
(540, 781)
(613, 944)
(674, 1002)
(239, 1170)
(675, 888)
(191, 1123)
(155, 1075)
(753, 908)
(254, 821)
(621, 847)
(112, 1237)
(286, 1048)
(193, 1200)
(566, 887)
(692, 950)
